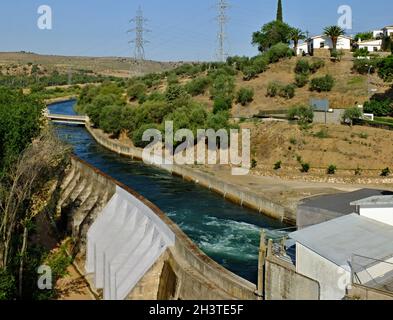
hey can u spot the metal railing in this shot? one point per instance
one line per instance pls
(373, 273)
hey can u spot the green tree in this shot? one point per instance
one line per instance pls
(385, 70)
(296, 36)
(279, 16)
(352, 114)
(304, 114)
(364, 36)
(270, 34)
(334, 32)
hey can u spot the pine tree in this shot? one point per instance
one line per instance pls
(279, 12)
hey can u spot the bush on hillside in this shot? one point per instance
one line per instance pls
(301, 80)
(380, 108)
(287, 92)
(273, 88)
(278, 52)
(137, 135)
(322, 84)
(364, 66)
(222, 103)
(136, 91)
(223, 86)
(245, 96)
(197, 86)
(304, 114)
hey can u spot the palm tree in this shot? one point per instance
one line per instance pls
(296, 36)
(334, 32)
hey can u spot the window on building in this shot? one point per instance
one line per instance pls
(322, 45)
(375, 49)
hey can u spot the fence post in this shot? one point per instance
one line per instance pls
(261, 266)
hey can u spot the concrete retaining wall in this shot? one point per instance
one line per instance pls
(359, 292)
(283, 283)
(86, 191)
(229, 191)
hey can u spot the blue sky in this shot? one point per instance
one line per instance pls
(181, 29)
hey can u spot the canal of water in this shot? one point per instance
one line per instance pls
(226, 232)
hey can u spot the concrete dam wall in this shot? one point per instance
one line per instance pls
(127, 248)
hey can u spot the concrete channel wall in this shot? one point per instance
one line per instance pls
(229, 191)
(182, 272)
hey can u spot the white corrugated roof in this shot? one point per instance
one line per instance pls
(339, 239)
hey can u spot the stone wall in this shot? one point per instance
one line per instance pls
(192, 275)
(229, 191)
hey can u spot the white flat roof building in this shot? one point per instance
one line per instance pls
(324, 253)
(379, 208)
(371, 45)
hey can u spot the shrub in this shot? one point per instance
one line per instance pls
(175, 92)
(136, 91)
(305, 167)
(322, 84)
(336, 55)
(352, 114)
(380, 108)
(385, 172)
(7, 285)
(223, 86)
(304, 114)
(222, 103)
(273, 88)
(364, 66)
(254, 164)
(385, 70)
(277, 165)
(293, 141)
(197, 86)
(250, 72)
(172, 79)
(322, 134)
(316, 64)
(331, 169)
(302, 67)
(260, 63)
(358, 171)
(361, 53)
(287, 92)
(278, 52)
(245, 96)
(238, 62)
(301, 80)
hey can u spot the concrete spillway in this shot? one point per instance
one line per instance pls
(123, 244)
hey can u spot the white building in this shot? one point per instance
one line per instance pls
(334, 251)
(377, 34)
(324, 42)
(371, 45)
(302, 48)
(388, 31)
(379, 208)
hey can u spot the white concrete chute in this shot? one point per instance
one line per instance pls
(124, 243)
(107, 213)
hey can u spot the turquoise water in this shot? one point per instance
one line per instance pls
(226, 232)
